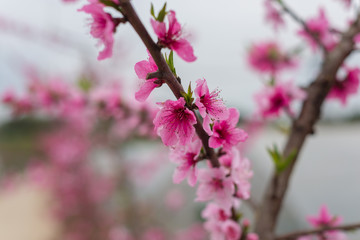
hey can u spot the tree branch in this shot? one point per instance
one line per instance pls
(295, 235)
(301, 128)
(129, 13)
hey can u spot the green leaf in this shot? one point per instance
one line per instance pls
(170, 62)
(85, 84)
(152, 12)
(280, 163)
(162, 14)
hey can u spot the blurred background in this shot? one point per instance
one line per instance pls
(48, 41)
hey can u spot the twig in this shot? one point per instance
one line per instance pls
(298, 19)
(301, 128)
(129, 13)
(295, 235)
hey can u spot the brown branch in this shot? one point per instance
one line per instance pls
(129, 13)
(301, 128)
(295, 235)
(298, 19)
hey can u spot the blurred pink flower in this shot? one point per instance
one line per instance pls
(319, 27)
(273, 15)
(342, 89)
(267, 57)
(273, 100)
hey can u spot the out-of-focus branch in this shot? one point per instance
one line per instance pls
(301, 128)
(295, 235)
(298, 19)
(129, 13)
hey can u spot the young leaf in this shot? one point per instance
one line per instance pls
(162, 14)
(152, 12)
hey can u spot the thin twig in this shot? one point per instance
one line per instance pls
(295, 235)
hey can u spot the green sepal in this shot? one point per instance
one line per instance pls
(188, 96)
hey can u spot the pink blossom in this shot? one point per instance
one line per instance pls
(225, 132)
(142, 68)
(187, 159)
(215, 185)
(215, 217)
(231, 229)
(209, 104)
(267, 57)
(273, 15)
(252, 236)
(174, 123)
(342, 89)
(324, 219)
(319, 27)
(241, 174)
(102, 27)
(273, 100)
(172, 38)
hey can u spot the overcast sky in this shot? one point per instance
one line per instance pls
(220, 33)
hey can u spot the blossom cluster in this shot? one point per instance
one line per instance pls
(225, 185)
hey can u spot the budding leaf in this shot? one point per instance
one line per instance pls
(170, 62)
(85, 84)
(280, 162)
(188, 96)
(152, 11)
(162, 14)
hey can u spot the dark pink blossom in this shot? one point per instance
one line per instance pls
(319, 27)
(210, 106)
(268, 57)
(225, 133)
(174, 123)
(186, 157)
(273, 100)
(342, 89)
(214, 185)
(142, 68)
(172, 37)
(102, 27)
